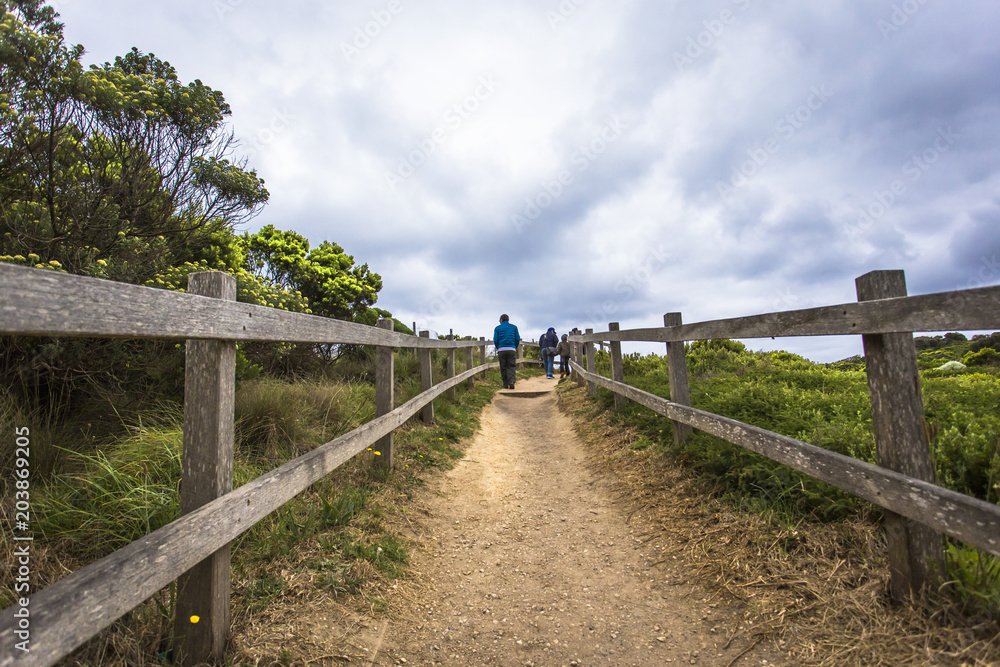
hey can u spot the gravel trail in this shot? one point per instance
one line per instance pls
(525, 558)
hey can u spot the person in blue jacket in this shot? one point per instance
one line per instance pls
(506, 339)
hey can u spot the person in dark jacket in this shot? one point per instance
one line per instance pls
(565, 350)
(549, 342)
(506, 339)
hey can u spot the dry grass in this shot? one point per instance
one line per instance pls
(819, 592)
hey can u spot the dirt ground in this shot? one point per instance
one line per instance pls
(525, 557)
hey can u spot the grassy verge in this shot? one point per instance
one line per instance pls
(828, 406)
(330, 540)
(817, 589)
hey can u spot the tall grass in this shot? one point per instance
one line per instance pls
(826, 405)
(47, 437)
(110, 496)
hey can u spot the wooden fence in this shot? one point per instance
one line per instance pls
(918, 511)
(194, 549)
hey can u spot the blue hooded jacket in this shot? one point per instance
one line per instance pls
(506, 335)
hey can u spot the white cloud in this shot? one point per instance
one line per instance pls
(324, 128)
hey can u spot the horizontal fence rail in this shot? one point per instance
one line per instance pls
(77, 607)
(43, 302)
(918, 512)
(968, 519)
(969, 309)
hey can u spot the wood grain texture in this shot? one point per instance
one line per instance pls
(617, 368)
(680, 392)
(77, 607)
(206, 474)
(963, 517)
(588, 352)
(471, 382)
(916, 552)
(385, 381)
(42, 302)
(450, 367)
(426, 380)
(944, 311)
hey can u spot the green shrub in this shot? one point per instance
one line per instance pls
(987, 356)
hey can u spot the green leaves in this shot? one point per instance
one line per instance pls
(122, 163)
(326, 276)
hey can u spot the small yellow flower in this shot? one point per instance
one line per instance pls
(378, 453)
(195, 619)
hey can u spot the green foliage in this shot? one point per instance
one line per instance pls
(281, 419)
(981, 342)
(249, 288)
(986, 356)
(827, 406)
(325, 275)
(976, 578)
(936, 342)
(116, 497)
(121, 164)
(388, 554)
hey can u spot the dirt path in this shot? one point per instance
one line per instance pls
(527, 560)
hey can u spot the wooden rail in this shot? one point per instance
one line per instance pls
(918, 511)
(965, 518)
(945, 311)
(40, 302)
(194, 549)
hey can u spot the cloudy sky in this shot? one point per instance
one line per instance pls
(578, 162)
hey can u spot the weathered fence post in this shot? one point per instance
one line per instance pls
(426, 381)
(482, 352)
(677, 369)
(415, 329)
(202, 613)
(617, 368)
(384, 396)
(916, 556)
(451, 363)
(591, 365)
(470, 384)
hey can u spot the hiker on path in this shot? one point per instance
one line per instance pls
(565, 350)
(506, 339)
(549, 344)
(541, 350)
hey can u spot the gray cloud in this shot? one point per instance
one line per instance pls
(767, 155)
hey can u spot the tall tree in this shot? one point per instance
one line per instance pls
(121, 163)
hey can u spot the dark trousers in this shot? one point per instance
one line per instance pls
(564, 364)
(508, 366)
